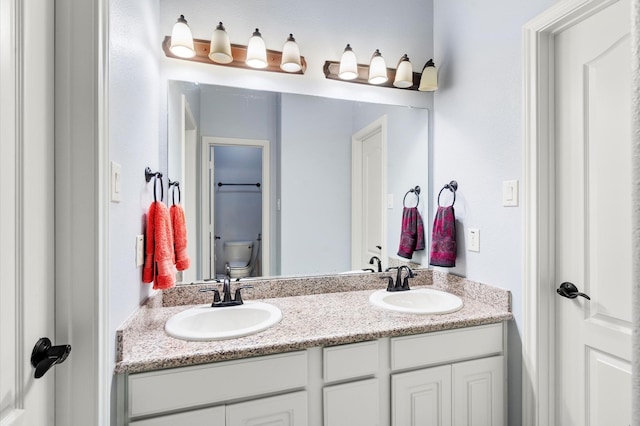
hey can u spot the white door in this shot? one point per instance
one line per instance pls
(27, 291)
(368, 191)
(593, 219)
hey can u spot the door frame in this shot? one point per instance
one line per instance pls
(538, 345)
(378, 125)
(207, 193)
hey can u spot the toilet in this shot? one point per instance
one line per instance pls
(238, 255)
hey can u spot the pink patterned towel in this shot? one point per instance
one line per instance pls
(443, 240)
(412, 233)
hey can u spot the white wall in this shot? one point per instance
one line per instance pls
(134, 104)
(478, 141)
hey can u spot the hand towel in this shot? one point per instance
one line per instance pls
(159, 260)
(179, 226)
(412, 233)
(443, 240)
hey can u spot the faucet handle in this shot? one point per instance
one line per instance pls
(216, 294)
(389, 283)
(238, 296)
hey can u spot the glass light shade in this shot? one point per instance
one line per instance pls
(220, 50)
(291, 56)
(256, 51)
(377, 69)
(348, 64)
(429, 78)
(404, 73)
(182, 40)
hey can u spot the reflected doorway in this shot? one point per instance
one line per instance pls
(235, 218)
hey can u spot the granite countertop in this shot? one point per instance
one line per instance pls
(308, 320)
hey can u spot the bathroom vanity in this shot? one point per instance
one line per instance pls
(333, 360)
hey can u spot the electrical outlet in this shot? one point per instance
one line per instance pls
(139, 250)
(473, 240)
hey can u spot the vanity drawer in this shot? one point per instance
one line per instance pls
(446, 346)
(350, 361)
(179, 388)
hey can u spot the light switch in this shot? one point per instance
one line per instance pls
(139, 250)
(473, 240)
(510, 193)
(389, 201)
(116, 176)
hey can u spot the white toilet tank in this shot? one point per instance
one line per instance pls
(238, 253)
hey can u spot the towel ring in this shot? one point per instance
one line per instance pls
(451, 186)
(416, 191)
(157, 178)
(175, 184)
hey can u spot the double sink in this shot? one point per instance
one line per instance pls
(203, 322)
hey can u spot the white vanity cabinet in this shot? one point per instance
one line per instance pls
(351, 393)
(457, 393)
(453, 377)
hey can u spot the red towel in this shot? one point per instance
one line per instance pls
(443, 240)
(412, 233)
(179, 225)
(159, 260)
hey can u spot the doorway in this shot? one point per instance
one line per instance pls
(235, 208)
(368, 189)
(577, 149)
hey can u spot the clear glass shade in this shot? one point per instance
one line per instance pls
(256, 51)
(220, 50)
(291, 56)
(404, 73)
(429, 78)
(377, 69)
(348, 65)
(182, 40)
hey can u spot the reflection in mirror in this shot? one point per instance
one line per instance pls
(285, 184)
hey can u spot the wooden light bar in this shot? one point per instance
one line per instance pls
(239, 53)
(331, 69)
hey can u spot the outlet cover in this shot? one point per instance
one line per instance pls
(473, 240)
(139, 250)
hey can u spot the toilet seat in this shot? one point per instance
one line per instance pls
(240, 272)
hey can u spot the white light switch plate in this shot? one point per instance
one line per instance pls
(389, 201)
(139, 250)
(116, 176)
(510, 193)
(473, 240)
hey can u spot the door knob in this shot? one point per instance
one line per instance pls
(570, 291)
(44, 356)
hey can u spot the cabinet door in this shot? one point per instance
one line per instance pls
(421, 398)
(356, 403)
(282, 410)
(478, 392)
(205, 417)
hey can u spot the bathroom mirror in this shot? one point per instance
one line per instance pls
(272, 175)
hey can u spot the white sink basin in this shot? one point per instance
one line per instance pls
(423, 301)
(207, 323)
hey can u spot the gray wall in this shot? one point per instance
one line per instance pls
(478, 142)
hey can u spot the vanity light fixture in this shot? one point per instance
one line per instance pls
(181, 39)
(220, 50)
(376, 73)
(348, 64)
(291, 56)
(256, 51)
(404, 73)
(377, 69)
(429, 79)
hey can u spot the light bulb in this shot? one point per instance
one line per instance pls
(256, 51)
(348, 64)
(181, 39)
(377, 69)
(291, 56)
(404, 73)
(220, 50)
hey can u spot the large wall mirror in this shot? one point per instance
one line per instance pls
(284, 184)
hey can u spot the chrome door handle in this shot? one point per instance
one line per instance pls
(570, 291)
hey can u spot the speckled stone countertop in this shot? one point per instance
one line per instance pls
(318, 317)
